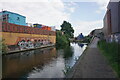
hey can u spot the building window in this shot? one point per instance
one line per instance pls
(5, 17)
(18, 18)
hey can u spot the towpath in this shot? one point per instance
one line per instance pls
(92, 64)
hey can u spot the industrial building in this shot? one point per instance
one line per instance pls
(13, 18)
(15, 32)
(111, 21)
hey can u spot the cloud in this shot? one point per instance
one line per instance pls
(72, 9)
(70, 6)
(102, 5)
(86, 27)
(48, 13)
(24, 0)
(52, 12)
(98, 11)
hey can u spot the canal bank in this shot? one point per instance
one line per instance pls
(17, 51)
(92, 64)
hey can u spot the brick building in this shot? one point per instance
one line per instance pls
(111, 21)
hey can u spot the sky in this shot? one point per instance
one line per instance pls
(84, 15)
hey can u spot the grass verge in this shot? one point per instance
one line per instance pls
(112, 52)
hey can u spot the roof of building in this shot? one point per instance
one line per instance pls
(114, 0)
(12, 13)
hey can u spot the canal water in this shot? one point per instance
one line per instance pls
(42, 63)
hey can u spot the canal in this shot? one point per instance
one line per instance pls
(42, 63)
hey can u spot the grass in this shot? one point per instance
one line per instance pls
(112, 52)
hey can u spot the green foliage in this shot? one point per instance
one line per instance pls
(61, 40)
(3, 47)
(67, 28)
(63, 36)
(87, 39)
(112, 53)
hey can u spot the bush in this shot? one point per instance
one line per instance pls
(112, 53)
(61, 40)
(3, 47)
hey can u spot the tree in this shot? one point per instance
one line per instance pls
(68, 30)
(3, 47)
(63, 35)
(61, 40)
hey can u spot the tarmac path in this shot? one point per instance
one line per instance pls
(92, 64)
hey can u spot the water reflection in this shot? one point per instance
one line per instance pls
(68, 52)
(41, 63)
(81, 45)
(17, 65)
(77, 51)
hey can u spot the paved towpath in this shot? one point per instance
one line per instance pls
(92, 64)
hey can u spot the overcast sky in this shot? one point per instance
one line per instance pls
(84, 15)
